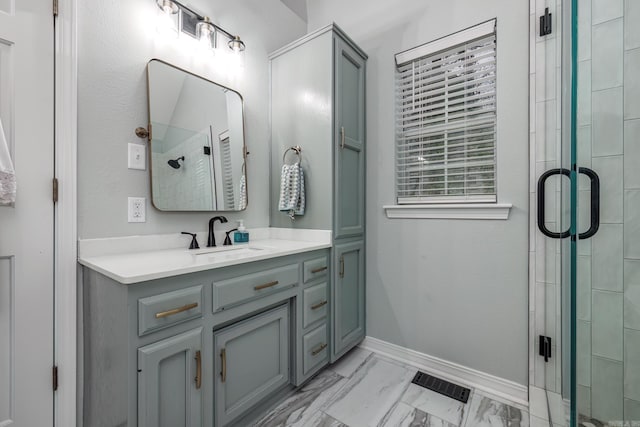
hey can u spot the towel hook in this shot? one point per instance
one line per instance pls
(297, 149)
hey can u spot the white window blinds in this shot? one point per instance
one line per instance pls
(446, 119)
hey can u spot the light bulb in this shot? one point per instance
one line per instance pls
(236, 45)
(205, 32)
(167, 26)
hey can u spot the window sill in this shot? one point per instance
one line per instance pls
(493, 211)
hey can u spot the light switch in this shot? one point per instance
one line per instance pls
(137, 156)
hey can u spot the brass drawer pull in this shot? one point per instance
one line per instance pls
(198, 370)
(318, 305)
(176, 310)
(318, 350)
(318, 270)
(266, 285)
(223, 358)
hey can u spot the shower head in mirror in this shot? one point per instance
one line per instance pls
(175, 163)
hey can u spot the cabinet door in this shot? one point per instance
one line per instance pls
(348, 296)
(169, 382)
(252, 361)
(350, 141)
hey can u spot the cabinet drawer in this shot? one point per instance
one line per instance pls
(163, 310)
(315, 348)
(315, 268)
(315, 304)
(230, 292)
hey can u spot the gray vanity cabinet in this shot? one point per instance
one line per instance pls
(170, 381)
(349, 296)
(318, 102)
(350, 134)
(251, 362)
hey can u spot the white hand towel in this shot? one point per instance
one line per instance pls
(292, 194)
(7, 172)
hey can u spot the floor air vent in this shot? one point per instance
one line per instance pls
(441, 386)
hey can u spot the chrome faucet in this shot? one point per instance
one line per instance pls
(211, 241)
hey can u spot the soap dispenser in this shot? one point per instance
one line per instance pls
(242, 235)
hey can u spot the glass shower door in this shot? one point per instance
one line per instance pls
(604, 267)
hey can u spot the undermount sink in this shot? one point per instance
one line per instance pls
(226, 251)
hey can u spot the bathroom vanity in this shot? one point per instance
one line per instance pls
(214, 337)
(203, 335)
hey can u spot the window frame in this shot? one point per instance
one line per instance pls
(449, 42)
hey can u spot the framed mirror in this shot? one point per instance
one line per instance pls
(197, 152)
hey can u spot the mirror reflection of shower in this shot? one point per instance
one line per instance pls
(175, 163)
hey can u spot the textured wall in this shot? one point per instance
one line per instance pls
(453, 289)
(116, 40)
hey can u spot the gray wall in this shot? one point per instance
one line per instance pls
(454, 289)
(116, 39)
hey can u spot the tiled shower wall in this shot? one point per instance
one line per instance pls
(609, 264)
(190, 186)
(608, 137)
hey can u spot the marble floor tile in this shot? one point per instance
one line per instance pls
(320, 419)
(370, 393)
(487, 412)
(304, 406)
(403, 415)
(350, 362)
(438, 405)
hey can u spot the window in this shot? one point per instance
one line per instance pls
(446, 119)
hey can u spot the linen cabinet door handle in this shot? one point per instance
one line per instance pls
(223, 359)
(318, 305)
(342, 137)
(198, 370)
(341, 267)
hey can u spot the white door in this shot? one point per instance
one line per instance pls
(26, 229)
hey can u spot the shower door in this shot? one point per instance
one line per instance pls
(592, 179)
(598, 342)
(605, 110)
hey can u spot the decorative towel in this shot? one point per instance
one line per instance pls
(242, 205)
(292, 198)
(7, 173)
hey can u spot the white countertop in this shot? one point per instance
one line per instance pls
(135, 259)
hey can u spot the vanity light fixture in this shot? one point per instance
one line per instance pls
(168, 16)
(236, 45)
(205, 31)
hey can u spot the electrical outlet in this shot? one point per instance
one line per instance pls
(137, 209)
(137, 156)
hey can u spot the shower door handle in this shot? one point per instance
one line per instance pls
(541, 203)
(595, 203)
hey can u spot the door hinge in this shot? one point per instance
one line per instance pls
(54, 378)
(55, 190)
(545, 23)
(544, 347)
(55, 8)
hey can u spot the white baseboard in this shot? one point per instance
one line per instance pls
(462, 375)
